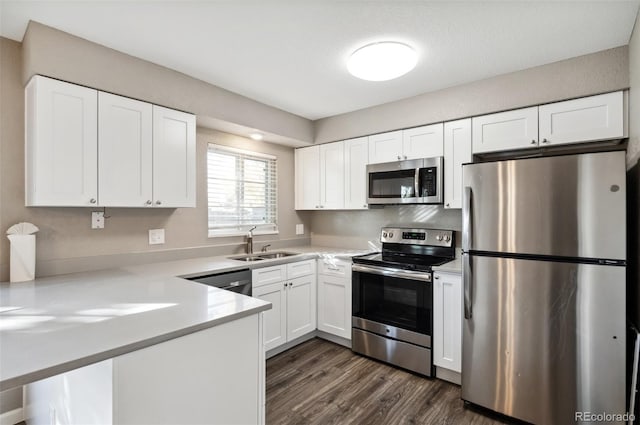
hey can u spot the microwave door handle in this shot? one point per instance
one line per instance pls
(416, 183)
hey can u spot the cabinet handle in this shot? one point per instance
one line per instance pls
(545, 141)
(399, 157)
(317, 206)
(405, 157)
(290, 284)
(447, 205)
(158, 203)
(92, 200)
(436, 277)
(364, 206)
(533, 142)
(148, 202)
(285, 285)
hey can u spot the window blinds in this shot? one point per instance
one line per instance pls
(241, 191)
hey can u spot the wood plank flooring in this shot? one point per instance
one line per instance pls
(319, 382)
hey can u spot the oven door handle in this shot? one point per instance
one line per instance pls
(399, 273)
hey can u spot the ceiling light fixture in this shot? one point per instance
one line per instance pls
(382, 61)
(256, 136)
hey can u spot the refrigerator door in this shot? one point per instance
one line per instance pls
(544, 339)
(569, 206)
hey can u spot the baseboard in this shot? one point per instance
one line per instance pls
(335, 339)
(290, 344)
(12, 417)
(448, 375)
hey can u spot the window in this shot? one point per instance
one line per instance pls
(241, 191)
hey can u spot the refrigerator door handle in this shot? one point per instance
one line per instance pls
(466, 276)
(466, 219)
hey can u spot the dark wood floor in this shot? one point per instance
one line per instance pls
(319, 382)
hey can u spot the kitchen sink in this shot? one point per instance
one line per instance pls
(248, 257)
(272, 255)
(262, 256)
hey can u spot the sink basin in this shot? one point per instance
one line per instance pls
(262, 256)
(248, 257)
(272, 255)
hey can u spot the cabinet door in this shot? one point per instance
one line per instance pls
(423, 142)
(505, 131)
(307, 178)
(583, 120)
(332, 175)
(447, 321)
(61, 144)
(457, 151)
(125, 175)
(334, 305)
(301, 306)
(275, 320)
(356, 158)
(174, 158)
(385, 147)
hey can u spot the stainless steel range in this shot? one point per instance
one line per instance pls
(393, 296)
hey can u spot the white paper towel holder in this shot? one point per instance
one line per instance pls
(22, 262)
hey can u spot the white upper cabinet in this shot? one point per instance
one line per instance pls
(385, 147)
(457, 151)
(332, 180)
(307, 178)
(90, 148)
(61, 144)
(422, 142)
(125, 173)
(505, 131)
(582, 120)
(356, 155)
(174, 158)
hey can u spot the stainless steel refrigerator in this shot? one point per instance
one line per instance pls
(544, 251)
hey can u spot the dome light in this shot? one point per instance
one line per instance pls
(382, 61)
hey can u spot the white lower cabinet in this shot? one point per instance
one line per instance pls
(291, 289)
(447, 321)
(334, 297)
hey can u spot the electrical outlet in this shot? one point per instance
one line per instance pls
(156, 236)
(97, 220)
(299, 229)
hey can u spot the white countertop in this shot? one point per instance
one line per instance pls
(454, 266)
(60, 323)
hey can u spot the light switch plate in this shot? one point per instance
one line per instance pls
(299, 229)
(156, 236)
(97, 220)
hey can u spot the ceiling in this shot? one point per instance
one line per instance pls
(291, 54)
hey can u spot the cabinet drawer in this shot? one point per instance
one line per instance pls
(301, 268)
(334, 267)
(267, 275)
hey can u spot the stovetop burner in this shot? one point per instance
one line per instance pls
(401, 261)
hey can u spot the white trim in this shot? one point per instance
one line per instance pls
(222, 233)
(12, 417)
(222, 148)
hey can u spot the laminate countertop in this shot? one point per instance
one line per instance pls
(56, 324)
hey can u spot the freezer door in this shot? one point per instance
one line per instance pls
(544, 339)
(570, 206)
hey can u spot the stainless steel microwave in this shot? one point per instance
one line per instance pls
(416, 181)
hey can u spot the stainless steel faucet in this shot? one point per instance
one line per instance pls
(250, 240)
(264, 248)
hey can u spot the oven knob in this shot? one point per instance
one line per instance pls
(390, 234)
(384, 234)
(447, 238)
(439, 238)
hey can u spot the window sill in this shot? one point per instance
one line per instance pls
(230, 233)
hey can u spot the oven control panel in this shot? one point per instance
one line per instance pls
(432, 237)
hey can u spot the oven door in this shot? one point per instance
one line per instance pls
(399, 298)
